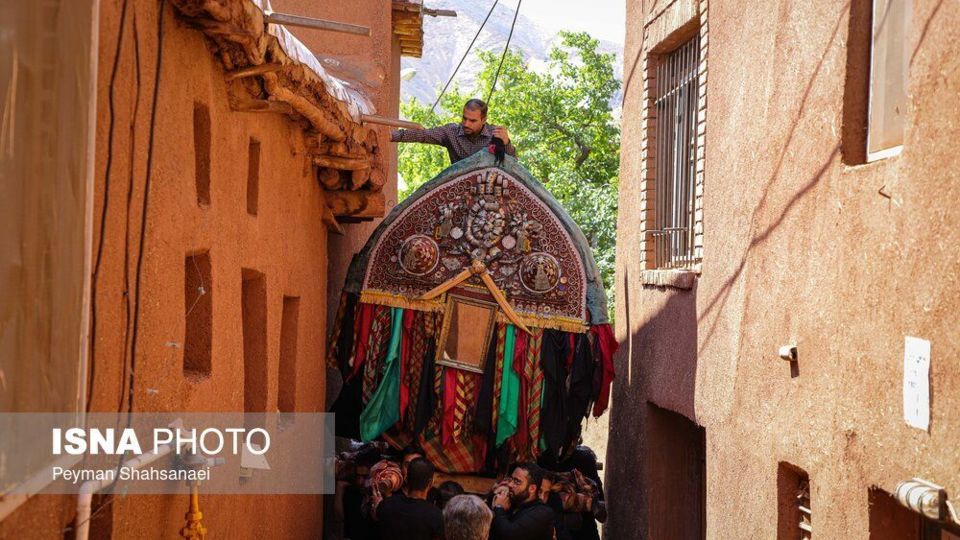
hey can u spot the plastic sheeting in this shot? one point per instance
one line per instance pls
(353, 99)
(47, 86)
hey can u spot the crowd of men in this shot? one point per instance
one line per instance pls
(382, 496)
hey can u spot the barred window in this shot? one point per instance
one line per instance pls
(676, 105)
(888, 78)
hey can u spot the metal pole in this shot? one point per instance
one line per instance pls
(318, 24)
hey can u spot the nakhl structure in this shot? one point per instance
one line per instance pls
(473, 323)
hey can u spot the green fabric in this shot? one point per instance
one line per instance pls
(383, 410)
(509, 390)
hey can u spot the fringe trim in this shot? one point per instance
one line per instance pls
(564, 324)
(438, 305)
(399, 301)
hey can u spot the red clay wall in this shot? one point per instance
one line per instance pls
(286, 242)
(374, 61)
(799, 247)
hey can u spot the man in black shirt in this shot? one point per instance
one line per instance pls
(408, 516)
(518, 513)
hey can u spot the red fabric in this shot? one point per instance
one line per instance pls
(606, 344)
(361, 336)
(406, 343)
(522, 437)
(571, 339)
(449, 404)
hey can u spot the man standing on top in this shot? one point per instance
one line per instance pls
(518, 513)
(471, 135)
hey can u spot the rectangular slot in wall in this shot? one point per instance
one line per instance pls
(794, 513)
(201, 151)
(287, 379)
(676, 469)
(253, 176)
(254, 316)
(198, 315)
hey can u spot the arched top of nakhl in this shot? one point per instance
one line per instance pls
(501, 216)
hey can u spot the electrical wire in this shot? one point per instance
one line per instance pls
(144, 210)
(94, 279)
(506, 48)
(454, 74)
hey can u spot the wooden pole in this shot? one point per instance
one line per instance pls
(263, 105)
(439, 12)
(317, 24)
(377, 119)
(250, 71)
(345, 164)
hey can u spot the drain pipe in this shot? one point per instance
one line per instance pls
(88, 488)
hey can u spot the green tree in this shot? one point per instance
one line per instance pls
(562, 124)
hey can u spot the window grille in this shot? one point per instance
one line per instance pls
(803, 506)
(888, 78)
(676, 104)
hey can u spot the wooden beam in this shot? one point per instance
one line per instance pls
(316, 24)
(346, 164)
(329, 179)
(471, 484)
(377, 119)
(357, 204)
(358, 178)
(330, 221)
(251, 71)
(262, 105)
(439, 12)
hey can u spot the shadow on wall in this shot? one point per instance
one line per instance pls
(656, 374)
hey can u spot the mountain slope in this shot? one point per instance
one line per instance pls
(446, 39)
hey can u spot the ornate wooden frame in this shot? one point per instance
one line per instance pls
(492, 307)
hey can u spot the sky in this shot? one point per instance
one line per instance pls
(603, 19)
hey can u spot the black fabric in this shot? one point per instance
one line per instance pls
(403, 518)
(530, 521)
(562, 522)
(584, 460)
(426, 398)
(349, 404)
(483, 420)
(345, 339)
(347, 408)
(356, 526)
(581, 388)
(553, 415)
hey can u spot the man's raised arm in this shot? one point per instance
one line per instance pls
(437, 135)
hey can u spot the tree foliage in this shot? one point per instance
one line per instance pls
(560, 121)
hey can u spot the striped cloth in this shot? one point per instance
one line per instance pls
(376, 351)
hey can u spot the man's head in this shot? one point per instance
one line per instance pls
(546, 484)
(465, 517)
(419, 476)
(410, 453)
(474, 116)
(525, 483)
(447, 491)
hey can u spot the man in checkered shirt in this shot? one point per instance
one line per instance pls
(461, 140)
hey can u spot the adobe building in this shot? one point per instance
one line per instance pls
(188, 175)
(786, 264)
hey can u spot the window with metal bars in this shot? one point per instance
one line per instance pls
(676, 104)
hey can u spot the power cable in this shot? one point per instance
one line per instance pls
(506, 48)
(454, 74)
